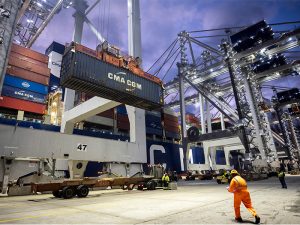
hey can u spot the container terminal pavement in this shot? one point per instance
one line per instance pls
(194, 202)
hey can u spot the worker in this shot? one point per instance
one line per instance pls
(281, 176)
(165, 180)
(226, 175)
(238, 186)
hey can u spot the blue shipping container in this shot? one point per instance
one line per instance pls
(153, 122)
(150, 130)
(25, 84)
(121, 109)
(172, 135)
(23, 94)
(53, 83)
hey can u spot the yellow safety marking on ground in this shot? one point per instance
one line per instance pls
(38, 216)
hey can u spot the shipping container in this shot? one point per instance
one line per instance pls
(23, 94)
(54, 83)
(153, 112)
(27, 59)
(108, 113)
(27, 75)
(82, 72)
(174, 129)
(55, 47)
(190, 118)
(153, 121)
(174, 135)
(25, 84)
(123, 118)
(23, 105)
(29, 53)
(171, 123)
(169, 117)
(150, 130)
(42, 70)
(123, 125)
(121, 109)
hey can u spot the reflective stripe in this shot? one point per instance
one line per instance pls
(240, 187)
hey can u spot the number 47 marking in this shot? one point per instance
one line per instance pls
(81, 147)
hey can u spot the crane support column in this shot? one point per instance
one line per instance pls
(208, 117)
(7, 27)
(202, 118)
(136, 116)
(79, 16)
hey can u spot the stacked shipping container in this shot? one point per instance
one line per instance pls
(192, 120)
(171, 127)
(56, 94)
(26, 82)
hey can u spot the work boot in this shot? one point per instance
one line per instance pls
(257, 219)
(239, 219)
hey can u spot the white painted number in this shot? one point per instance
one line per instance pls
(81, 148)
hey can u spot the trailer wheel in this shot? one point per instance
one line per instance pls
(140, 187)
(57, 194)
(82, 191)
(151, 185)
(68, 192)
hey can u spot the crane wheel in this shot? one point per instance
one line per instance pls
(68, 192)
(82, 191)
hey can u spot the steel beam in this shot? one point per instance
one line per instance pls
(45, 23)
(201, 44)
(92, 7)
(94, 30)
(215, 101)
(22, 10)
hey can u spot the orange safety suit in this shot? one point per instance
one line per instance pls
(238, 186)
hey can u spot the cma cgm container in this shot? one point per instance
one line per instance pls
(23, 94)
(25, 84)
(85, 72)
(23, 105)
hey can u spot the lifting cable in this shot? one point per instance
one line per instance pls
(170, 66)
(167, 59)
(173, 43)
(240, 27)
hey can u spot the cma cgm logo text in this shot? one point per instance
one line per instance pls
(25, 84)
(119, 77)
(22, 93)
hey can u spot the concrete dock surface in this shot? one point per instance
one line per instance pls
(195, 202)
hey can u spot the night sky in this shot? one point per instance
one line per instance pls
(162, 20)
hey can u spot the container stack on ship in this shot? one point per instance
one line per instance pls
(25, 85)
